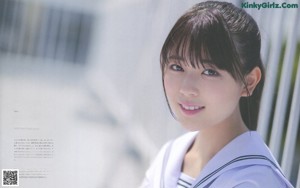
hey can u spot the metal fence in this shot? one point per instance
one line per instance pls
(280, 106)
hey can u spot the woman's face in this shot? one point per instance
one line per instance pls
(201, 97)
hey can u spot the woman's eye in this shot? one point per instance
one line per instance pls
(210, 72)
(176, 67)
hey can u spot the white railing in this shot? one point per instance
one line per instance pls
(282, 30)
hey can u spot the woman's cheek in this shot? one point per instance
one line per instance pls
(171, 83)
(225, 93)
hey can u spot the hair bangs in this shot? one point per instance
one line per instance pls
(201, 40)
(187, 44)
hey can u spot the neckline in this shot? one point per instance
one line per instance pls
(246, 149)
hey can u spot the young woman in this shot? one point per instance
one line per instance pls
(213, 78)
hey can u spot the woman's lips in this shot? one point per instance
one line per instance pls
(190, 109)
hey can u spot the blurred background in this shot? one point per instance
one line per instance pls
(83, 79)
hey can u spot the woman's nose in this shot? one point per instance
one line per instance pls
(189, 86)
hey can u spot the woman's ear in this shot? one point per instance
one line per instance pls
(251, 79)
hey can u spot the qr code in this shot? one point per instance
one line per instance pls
(10, 177)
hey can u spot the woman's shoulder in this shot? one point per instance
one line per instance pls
(167, 156)
(253, 176)
(176, 146)
(246, 162)
(179, 143)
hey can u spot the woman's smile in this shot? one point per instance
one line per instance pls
(190, 109)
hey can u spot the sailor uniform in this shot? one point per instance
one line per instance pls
(245, 162)
(185, 181)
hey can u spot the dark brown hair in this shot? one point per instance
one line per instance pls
(229, 37)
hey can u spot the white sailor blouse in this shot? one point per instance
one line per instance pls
(245, 162)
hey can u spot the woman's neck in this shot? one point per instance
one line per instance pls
(209, 142)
